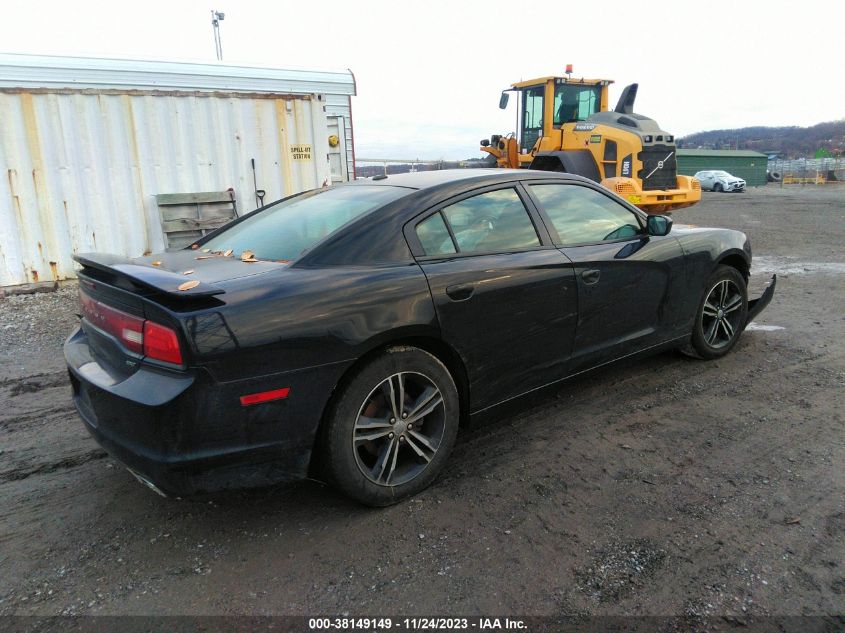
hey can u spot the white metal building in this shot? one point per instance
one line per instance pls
(87, 144)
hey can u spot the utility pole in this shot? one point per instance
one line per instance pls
(216, 18)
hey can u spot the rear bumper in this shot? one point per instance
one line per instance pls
(184, 432)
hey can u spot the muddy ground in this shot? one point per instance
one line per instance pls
(664, 486)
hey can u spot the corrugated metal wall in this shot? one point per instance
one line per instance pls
(42, 71)
(752, 169)
(82, 167)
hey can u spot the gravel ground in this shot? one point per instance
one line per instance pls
(32, 329)
(664, 486)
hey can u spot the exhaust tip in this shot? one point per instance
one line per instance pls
(148, 483)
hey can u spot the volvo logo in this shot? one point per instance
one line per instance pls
(660, 164)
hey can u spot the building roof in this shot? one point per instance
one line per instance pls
(53, 72)
(720, 152)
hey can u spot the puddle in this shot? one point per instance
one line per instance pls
(794, 266)
(763, 328)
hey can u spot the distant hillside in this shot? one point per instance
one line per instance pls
(787, 142)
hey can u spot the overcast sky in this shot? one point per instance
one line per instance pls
(429, 72)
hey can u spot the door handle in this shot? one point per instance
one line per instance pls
(591, 276)
(460, 292)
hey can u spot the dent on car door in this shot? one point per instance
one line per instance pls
(628, 282)
(506, 299)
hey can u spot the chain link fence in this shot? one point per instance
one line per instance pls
(807, 171)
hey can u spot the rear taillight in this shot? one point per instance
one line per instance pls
(138, 335)
(128, 329)
(161, 343)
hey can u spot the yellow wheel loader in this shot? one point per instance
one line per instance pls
(564, 125)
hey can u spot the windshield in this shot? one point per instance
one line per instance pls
(575, 102)
(287, 229)
(721, 174)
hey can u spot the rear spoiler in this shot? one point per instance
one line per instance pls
(150, 277)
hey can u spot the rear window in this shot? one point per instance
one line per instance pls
(287, 229)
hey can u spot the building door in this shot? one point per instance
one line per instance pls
(338, 166)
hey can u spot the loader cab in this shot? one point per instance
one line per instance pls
(548, 103)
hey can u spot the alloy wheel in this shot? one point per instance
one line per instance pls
(399, 428)
(721, 314)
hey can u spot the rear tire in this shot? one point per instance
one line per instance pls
(721, 315)
(392, 427)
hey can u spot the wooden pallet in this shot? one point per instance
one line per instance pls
(185, 217)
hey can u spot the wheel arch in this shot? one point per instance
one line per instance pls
(433, 345)
(735, 260)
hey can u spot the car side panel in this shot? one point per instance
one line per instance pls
(703, 249)
(309, 317)
(515, 331)
(633, 300)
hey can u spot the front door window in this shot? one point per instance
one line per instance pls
(581, 215)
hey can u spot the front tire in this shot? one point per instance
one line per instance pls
(717, 187)
(721, 315)
(392, 427)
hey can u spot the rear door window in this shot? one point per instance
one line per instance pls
(494, 221)
(434, 236)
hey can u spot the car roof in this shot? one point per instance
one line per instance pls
(430, 179)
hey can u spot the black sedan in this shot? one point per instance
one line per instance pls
(346, 333)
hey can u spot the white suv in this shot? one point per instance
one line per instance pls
(720, 181)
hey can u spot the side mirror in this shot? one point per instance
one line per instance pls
(658, 224)
(503, 100)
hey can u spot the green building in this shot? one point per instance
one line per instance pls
(745, 164)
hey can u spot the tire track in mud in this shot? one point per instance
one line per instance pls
(35, 418)
(39, 429)
(16, 474)
(19, 384)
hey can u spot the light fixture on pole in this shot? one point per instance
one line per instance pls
(216, 18)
